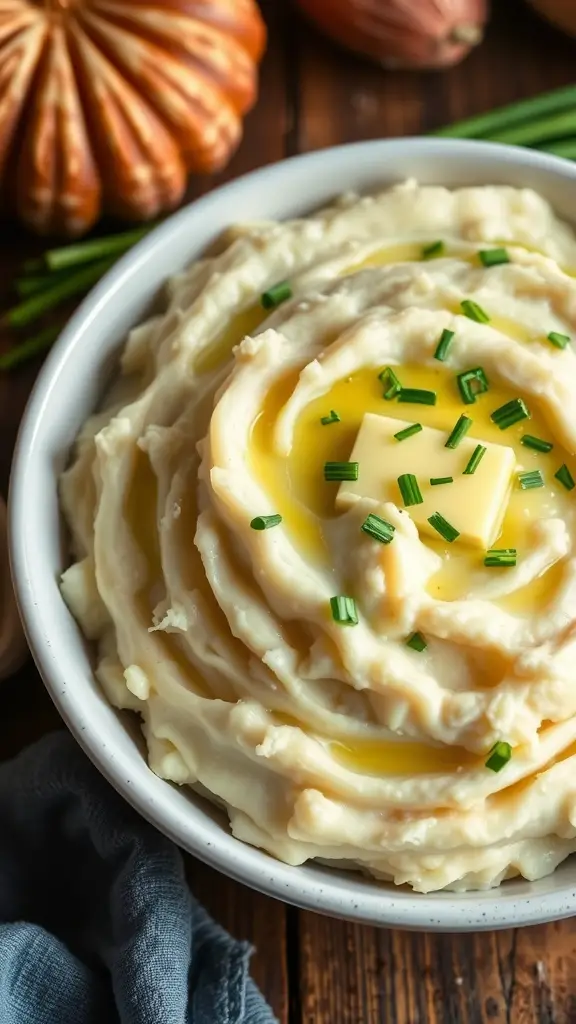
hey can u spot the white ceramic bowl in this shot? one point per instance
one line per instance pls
(69, 388)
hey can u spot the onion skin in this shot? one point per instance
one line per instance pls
(562, 13)
(420, 34)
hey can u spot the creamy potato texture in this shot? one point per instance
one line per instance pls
(424, 730)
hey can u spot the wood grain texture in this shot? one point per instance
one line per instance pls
(314, 970)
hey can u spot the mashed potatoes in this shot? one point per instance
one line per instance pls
(291, 577)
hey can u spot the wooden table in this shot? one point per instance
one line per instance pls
(314, 970)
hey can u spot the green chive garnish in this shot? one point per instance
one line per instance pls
(493, 257)
(474, 312)
(499, 756)
(436, 480)
(472, 383)
(70, 256)
(415, 428)
(433, 249)
(558, 340)
(530, 480)
(459, 432)
(538, 445)
(340, 470)
(443, 345)
(265, 522)
(391, 383)
(510, 413)
(417, 642)
(378, 529)
(500, 558)
(75, 283)
(276, 295)
(26, 350)
(417, 396)
(443, 527)
(332, 418)
(344, 610)
(474, 460)
(409, 489)
(565, 477)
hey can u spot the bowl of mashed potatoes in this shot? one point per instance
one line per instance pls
(294, 531)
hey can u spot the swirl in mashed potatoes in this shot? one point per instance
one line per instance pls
(389, 697)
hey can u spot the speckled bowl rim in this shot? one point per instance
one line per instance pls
(67, 389)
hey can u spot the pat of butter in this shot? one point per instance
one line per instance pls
(474, 504)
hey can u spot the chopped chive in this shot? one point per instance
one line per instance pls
(558, 340)
(409, 489)
(378, 529)
(28, 349)
(443, 527)
(415, 428)
(500, 558)
(474, 312)
(265, 522)
(344, 610)
(510, 413)
(74, 284)
(340, 471)
(472, 383)
(499, 756)
(436, 480)
(536, 443)
(332, 418)
(276, 295)
(493, 257)
(97, 248)
(391, 383)
(434, 249)
(417, 396)
(443, 345)
(459, 432)
(565, 477)
(417, 642)
(530, 480)
(474, 460)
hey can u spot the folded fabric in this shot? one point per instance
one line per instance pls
(97, 924)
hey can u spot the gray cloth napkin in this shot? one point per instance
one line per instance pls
(97, 924)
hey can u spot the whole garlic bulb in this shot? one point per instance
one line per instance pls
(561, 13)
(402, 33)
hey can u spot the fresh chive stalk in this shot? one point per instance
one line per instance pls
(276, 295)
(510, 413)
(500, 558)
(74, 284)
(417, 642)
(539, 130)
(378, 529)
(530, 480)
(28, 349)
(483, 125)
(391, 383)
(417, 396)
(499, 756)
(265, 522)
(474, 460)
(564, 147)
(443, 527)
(409, 489)
(472, 383)
(443, 345)
(415, 428)
(493, 257)
(473, 311)
(344, 610)
(332, 418)
(33, 284)
(459, 432)
(536, 443)
(558, 340)
(564, 476)
(432, 250)
(340, 471)
(435, 481)
(96, 249)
